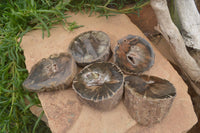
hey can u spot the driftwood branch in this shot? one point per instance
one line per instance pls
(190, 22)
(171, 33)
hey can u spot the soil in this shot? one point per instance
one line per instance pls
(146, 21)
(198, 4)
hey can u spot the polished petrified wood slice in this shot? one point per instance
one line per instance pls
(90, 47)
(53, 73)
(148, 98)
(134, 54)
(99, 85)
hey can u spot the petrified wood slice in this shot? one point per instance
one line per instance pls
(53, 73)
(99, 85)
(89, 47)
(134, 54)
(148, 98)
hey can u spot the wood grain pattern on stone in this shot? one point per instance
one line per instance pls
(148, 98)
(100, 85)
(90, 47)
(181, 116)
(53, 73)
(134, 54)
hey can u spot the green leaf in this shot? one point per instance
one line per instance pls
(32, 3)
(28, 106)
(37, 122)
(43, 24)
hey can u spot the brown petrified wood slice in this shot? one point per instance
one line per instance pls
(89, 47)
(148, 98)
(53, 73)
(134, 54)
(99, 85)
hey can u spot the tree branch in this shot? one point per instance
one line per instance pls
(190, 22)
(171, 33)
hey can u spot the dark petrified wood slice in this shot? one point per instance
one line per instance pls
(134, 54)
(53, 73)
(99, 85)
(90, 47)
(148, 98)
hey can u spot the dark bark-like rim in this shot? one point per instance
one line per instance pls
(98, 100)
(132, 40)
(49, 81)
(139, 89)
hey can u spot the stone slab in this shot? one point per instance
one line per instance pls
(66, 114)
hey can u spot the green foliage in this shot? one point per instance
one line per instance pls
(17, 18)
(106, 7)
(14, 114)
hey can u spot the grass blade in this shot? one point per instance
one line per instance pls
(43, 24)
(37, 122)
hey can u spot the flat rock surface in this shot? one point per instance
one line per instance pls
(64, 111)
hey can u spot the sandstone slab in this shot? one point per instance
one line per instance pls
(62, 108)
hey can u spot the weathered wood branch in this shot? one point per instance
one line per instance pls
(171, 33)
(190, 22)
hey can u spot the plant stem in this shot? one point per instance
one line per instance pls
(127, 10)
